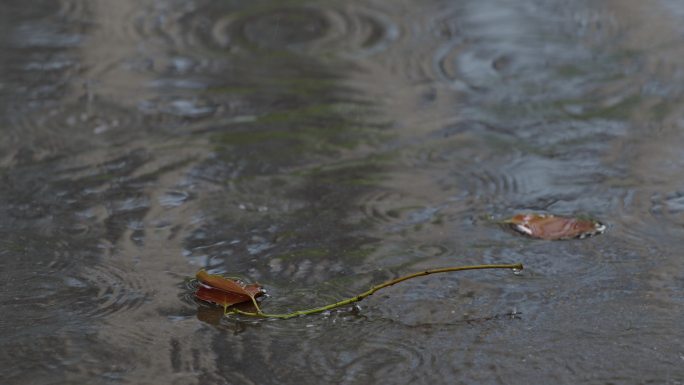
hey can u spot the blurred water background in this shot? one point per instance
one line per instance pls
(319, 147)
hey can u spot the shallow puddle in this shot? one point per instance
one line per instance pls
(321, 147)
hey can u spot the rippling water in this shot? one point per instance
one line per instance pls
(319, 147)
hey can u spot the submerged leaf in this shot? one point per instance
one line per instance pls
(225, 291)
(551, 227)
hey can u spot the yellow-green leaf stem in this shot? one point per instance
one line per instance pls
(372, 290)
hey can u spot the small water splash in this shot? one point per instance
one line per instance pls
(116, 289)
(73, 127)
(346, 31)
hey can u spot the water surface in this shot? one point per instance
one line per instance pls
(320, 147)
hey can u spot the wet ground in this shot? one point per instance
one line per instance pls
(319, 147)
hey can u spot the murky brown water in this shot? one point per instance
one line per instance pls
(322, 146)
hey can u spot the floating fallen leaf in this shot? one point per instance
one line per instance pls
(226, 295)
(227, 284)
(220, 297)
(551, 227)
(224, 291)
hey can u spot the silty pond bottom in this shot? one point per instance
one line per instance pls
(321, 147)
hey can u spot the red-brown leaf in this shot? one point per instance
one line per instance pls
(225, 284)
(551, 227)
(224, 291)
(220, 297)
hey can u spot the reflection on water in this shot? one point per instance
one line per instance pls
(320, 147)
